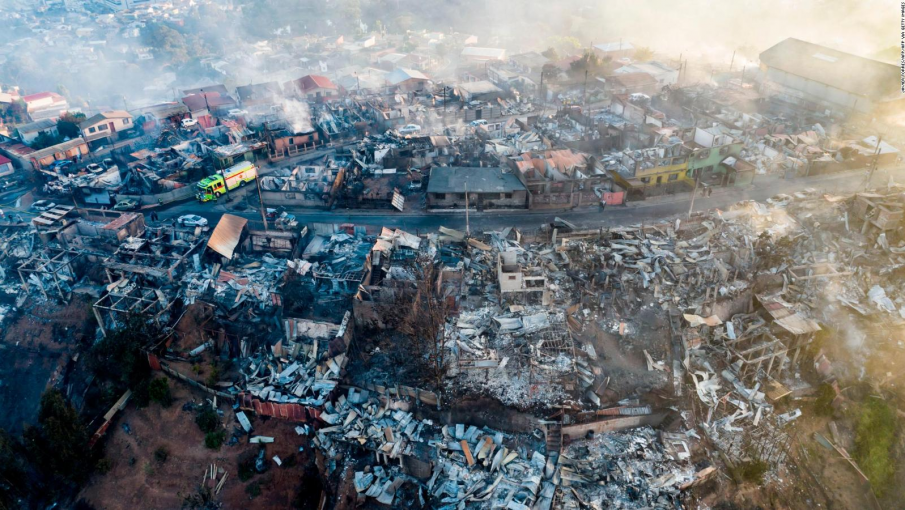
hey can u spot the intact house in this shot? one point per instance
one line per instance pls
(28, 133)
(259, 94)
(71, 150)
(632, 83)
(45, 105)
(486, 188)
(6, 166)
(818, 78)
(614, 50)
(407, 80)
(664, 74)
(474, 54)
(652, 171)
(106, 127)
(560, 179)
(710, 150)
(483, 90)
(314, 88)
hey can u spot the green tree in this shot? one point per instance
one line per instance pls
(159, 391)
(166, 40)
(45, 140)
(68, 125)
(351, 11)
(58, 444)
(118, 357)
(589, 62)
(551, 54)
(644, 54)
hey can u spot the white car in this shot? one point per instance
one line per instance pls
(236, 112)
(479, 122)
(43, 205)
(187, 123)
(192, 220)
(95, 168)
(409, 129)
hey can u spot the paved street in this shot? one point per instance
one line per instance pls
(664, 207)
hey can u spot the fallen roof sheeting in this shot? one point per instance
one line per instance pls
(227, 234)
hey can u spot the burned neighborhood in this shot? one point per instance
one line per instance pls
(516, 255)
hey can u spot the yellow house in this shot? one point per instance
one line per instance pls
(654, 167)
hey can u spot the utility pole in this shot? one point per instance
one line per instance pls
(467, 224)
(873, 164)
(584, 94)
(693, 192)
(732, 61)
(261, 199)
(543, 95)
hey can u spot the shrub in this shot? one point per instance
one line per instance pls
(103, 466)
(207, 419)
(213, 378)
(253, 490)
(159, 391)
(161, 454)
(214, 440)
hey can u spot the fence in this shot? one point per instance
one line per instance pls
(191, 382)
(175, 195)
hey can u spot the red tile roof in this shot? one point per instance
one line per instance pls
(42, 95)
(4, 160)
(313, 81)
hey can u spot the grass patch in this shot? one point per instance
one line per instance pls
(874, 440)
(752, 471)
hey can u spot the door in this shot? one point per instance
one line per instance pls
(112, 128)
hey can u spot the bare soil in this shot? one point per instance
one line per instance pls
(138, 480)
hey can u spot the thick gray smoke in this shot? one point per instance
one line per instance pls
(298, 115)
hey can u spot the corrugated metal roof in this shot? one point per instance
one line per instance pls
(227, 234)
(798, 325)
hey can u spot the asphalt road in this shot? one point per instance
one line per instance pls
(635, 212)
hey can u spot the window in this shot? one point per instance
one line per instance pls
(440, 196)
(659, 179)
(512, 277)
(127, 121)
(92, 130)
(507, 195)
(291, 141)
(461, 196)
(102, 127)
(673, 177)
(645, 180)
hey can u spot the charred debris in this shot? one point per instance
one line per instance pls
(568, 368)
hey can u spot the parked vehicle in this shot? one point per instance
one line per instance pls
(415, 185)
(213, 186)
(108, 163)
(192, 220)
(43, 205)
(409, 129)
(127, 204)
(94, 168)
(187, 123)
(479, 122)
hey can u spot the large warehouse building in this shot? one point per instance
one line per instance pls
(821, 78)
